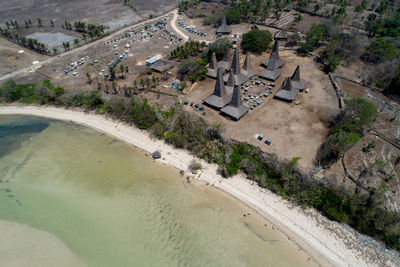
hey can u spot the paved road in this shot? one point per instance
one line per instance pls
(34, 67)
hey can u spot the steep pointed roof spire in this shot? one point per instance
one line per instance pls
(231, 80)
(235, 109)
(236, 101)
(219, 89)
(224, 28)
(287, 92)
(227, 56)
(274, 61)
(219, 98)
(247, 63)
(297, 81)
(296, 74)
(235, 62)
(213, 63)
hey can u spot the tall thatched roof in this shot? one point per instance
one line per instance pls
(226, 61)
(274, 61)
(297, 82)
(239, 75)
(271, 74)
(235, 66)
(247, 67)
(212, 67)
(219, 97)
(236, 109)
(224, 28)
(287, 92)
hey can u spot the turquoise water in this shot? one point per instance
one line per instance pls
(111, 205)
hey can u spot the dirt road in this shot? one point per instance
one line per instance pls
(34, 67)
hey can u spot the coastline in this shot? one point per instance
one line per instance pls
(327, 242)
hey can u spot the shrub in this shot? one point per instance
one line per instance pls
(360, 115)
(233, 16)
(218, 47)
(256, 40)
(193, 69)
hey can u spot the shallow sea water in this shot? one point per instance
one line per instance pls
(106, 203)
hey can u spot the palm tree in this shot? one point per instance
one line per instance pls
(76, 42)
(55, 50)
(122, 69)
(89, 78)
(111, 70)
(52, 23)
(39, 20)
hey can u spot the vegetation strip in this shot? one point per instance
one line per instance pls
(183, 130)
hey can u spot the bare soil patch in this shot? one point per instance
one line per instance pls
(11, 60)
(296, 130)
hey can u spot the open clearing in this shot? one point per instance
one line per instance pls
(296, 130)
(11, 60)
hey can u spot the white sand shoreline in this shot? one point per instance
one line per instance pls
(329, 243)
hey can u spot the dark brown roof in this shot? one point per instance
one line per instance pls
(247, 67)
(297, 82)
(274, 61)
(224, 28)
(287, 92)
(226, 62)
(271, 74)
(212, 67)
(219, 97)
(236, 109)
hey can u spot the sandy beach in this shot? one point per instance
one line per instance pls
(328, 243)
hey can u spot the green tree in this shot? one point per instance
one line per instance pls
(233, 16)
(256, 40)
(380, 50)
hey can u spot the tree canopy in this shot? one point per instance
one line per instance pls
(256, 40)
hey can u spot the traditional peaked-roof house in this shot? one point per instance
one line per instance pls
(297, 82)
(213, 67)
(230, 83)
(239, 77)
(272, 72)
(247, 67)
(236, 109)
(226, 62)
(219, 98)
(287, 92)
(274, 56)
(224, 28)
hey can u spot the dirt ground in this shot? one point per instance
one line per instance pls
(11, 60)
(112, 13)
(296, 130)
(98, 56)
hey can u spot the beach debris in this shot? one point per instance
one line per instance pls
(156, 154)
